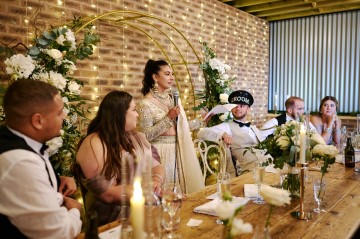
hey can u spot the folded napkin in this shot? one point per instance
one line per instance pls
(194, 222)
(113, 233)
(209, 207)
(339, 158)
(251, 191)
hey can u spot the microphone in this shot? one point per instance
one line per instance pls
(176, 96)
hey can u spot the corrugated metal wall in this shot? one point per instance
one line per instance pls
(313, 57)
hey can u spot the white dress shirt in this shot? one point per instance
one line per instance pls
(28, 198)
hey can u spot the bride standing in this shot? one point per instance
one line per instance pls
(158, 121)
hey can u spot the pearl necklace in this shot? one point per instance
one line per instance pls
(164, 98)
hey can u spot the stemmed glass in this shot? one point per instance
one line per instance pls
(171, 203)
(259, 173)
(223, 188)
(319, 193)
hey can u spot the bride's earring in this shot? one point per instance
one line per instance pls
(156, 86)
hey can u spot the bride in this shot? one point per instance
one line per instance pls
(158, 121)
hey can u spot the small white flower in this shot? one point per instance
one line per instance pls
(224, 98)
(69, 65)
(65, 100)
(20, 65)
(71, 38)
(225, 210)
(60, 40)
(54, 53)
(225, 76)
(223, 117)
(74, 88)
(275, 196)
(239, 227)
(57, 80)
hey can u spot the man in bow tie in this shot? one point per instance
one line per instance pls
(30, 204)
(237, 134)
(295, 107)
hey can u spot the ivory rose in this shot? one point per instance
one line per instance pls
(315, 139)
(55, 54)
(323, 149)
(239, 227)
(224, 98)
(275, 196)
(283, 142)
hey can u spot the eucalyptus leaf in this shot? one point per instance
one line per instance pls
(34, 51)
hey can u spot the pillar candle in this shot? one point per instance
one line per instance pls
(302, 143)
(137, 202)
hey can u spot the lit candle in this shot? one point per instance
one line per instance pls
(302, 143)
(137, 202)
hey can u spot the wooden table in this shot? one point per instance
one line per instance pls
(341, 219)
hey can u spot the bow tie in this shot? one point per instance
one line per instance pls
(241, 124)
(43, 148)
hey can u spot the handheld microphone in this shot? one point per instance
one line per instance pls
(176, 96)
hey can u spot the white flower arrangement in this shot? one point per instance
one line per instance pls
(227, 211)
(52, 59)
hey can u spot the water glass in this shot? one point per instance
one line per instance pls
(223, 185)
(319, 194)
(259, 174)
(171, 203)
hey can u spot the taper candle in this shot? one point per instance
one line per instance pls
(302, 143)
(137, 202)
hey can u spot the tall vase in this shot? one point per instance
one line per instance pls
(292, 182)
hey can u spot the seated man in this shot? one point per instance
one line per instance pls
(237, 134)
(30, 205)
(294, 109)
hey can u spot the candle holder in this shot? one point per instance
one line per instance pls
(301, 215)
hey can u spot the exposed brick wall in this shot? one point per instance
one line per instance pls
(239, 39)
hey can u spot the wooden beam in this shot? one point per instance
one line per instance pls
(284, 10)
(274, 5)
(245, 3)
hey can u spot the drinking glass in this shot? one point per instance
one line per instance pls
(171, 203)
(319, 193)
(223, 185)
(259, 174)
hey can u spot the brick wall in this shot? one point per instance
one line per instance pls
(239, 39)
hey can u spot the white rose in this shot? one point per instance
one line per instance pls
(54, 53)
(315, 139)
(60, 40)
(323, 149)
(223, 117)
(275, 196)
(54, 145)
(225, 209)
(57, 80)
(239, 227)
(283, 142)
(74, 88)
(224, 98)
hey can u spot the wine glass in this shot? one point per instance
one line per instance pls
(259, 173)
(319, 193)
(171, 203)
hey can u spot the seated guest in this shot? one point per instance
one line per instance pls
(30, 205)
(238, 133)
(111, 154)
(327, 123)
(166, 127)
(294, 109)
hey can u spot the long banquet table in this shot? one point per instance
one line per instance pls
(341, 219)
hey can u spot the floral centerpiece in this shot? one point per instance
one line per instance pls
(52, 58)
(227, 213)
(283, 147)
(217, 85)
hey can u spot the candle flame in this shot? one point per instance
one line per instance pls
(137, 189)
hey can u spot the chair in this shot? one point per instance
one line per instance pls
(203, 148)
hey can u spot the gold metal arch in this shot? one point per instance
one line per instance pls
(129, 18)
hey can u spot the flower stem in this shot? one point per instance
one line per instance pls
(269, 216)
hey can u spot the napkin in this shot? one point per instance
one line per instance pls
(251, 191)
(209, 207)
(113, 233)
(339, 158)
(194, 222)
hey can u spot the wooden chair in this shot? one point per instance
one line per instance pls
(203, 148)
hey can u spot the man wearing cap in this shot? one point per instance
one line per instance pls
(238, 133)
(294, 109)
